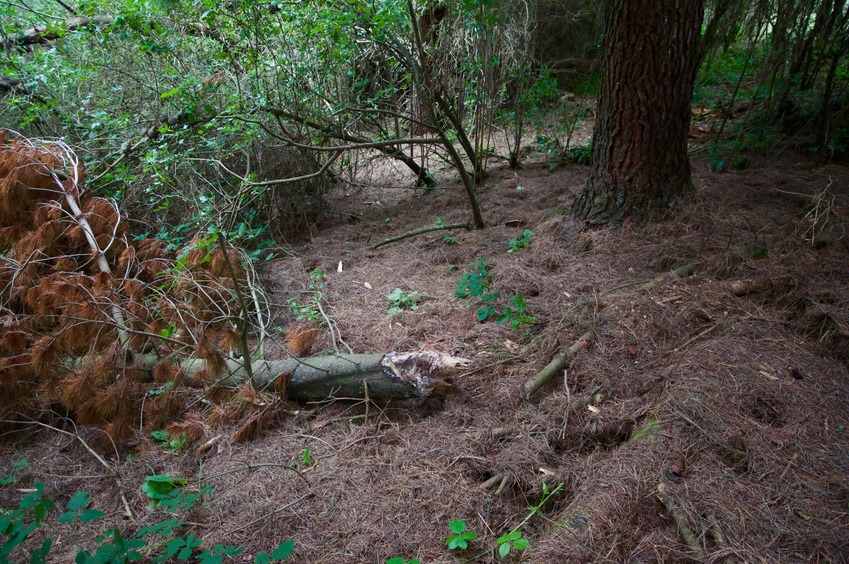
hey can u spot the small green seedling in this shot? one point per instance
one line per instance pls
(512, 540)
(306, 458)
(77, 511)
(310, 311)
(283, 550)
(514, 314)
(461, 537)
(476, 283)
(399, 300)
(399, 560)
(174, 444)
(521, 242)
(167, 492)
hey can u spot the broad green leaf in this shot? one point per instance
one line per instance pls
(79, 501)
(503, 549)
(283, 550)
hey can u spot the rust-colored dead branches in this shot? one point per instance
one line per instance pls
(81, 302)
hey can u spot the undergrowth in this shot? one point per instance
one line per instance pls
(476, 283)
(160, 542)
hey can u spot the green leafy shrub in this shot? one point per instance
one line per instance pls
(157, 543)
(172, 444)
(476, 284)
(514, 313)
(581, 155)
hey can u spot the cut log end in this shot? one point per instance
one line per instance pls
(422, 370)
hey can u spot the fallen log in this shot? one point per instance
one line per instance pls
(392, 375)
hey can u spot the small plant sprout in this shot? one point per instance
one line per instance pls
(399, 300)
(514, 314)
(77, 511)
(400, 560)
(173, 444)
(476, 283)
(512, 540)
(167, 492)
(310, 311)
(521, 242)
(515, 539)
(306, 457)
(283, 550)
(461, 537)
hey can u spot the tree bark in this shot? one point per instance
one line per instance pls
(640, 162)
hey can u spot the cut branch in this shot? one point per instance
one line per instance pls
(421, 231)
(557, 364)
(686, 533)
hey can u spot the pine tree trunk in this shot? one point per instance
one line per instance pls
(640, 162)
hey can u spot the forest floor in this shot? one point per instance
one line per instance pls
(727, 388)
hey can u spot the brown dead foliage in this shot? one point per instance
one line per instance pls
(300, 338)
(63, 349)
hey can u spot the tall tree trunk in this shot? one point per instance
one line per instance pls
(640, 159)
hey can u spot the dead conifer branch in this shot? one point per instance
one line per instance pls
(64, 154)
(490, 483)
(421, 231)
(683, 529)
(559, 363)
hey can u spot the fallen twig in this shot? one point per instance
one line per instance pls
(99, 458)
(680, 272)
(557, 364)
(686, 534)
(415, 232)
(716, 531)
